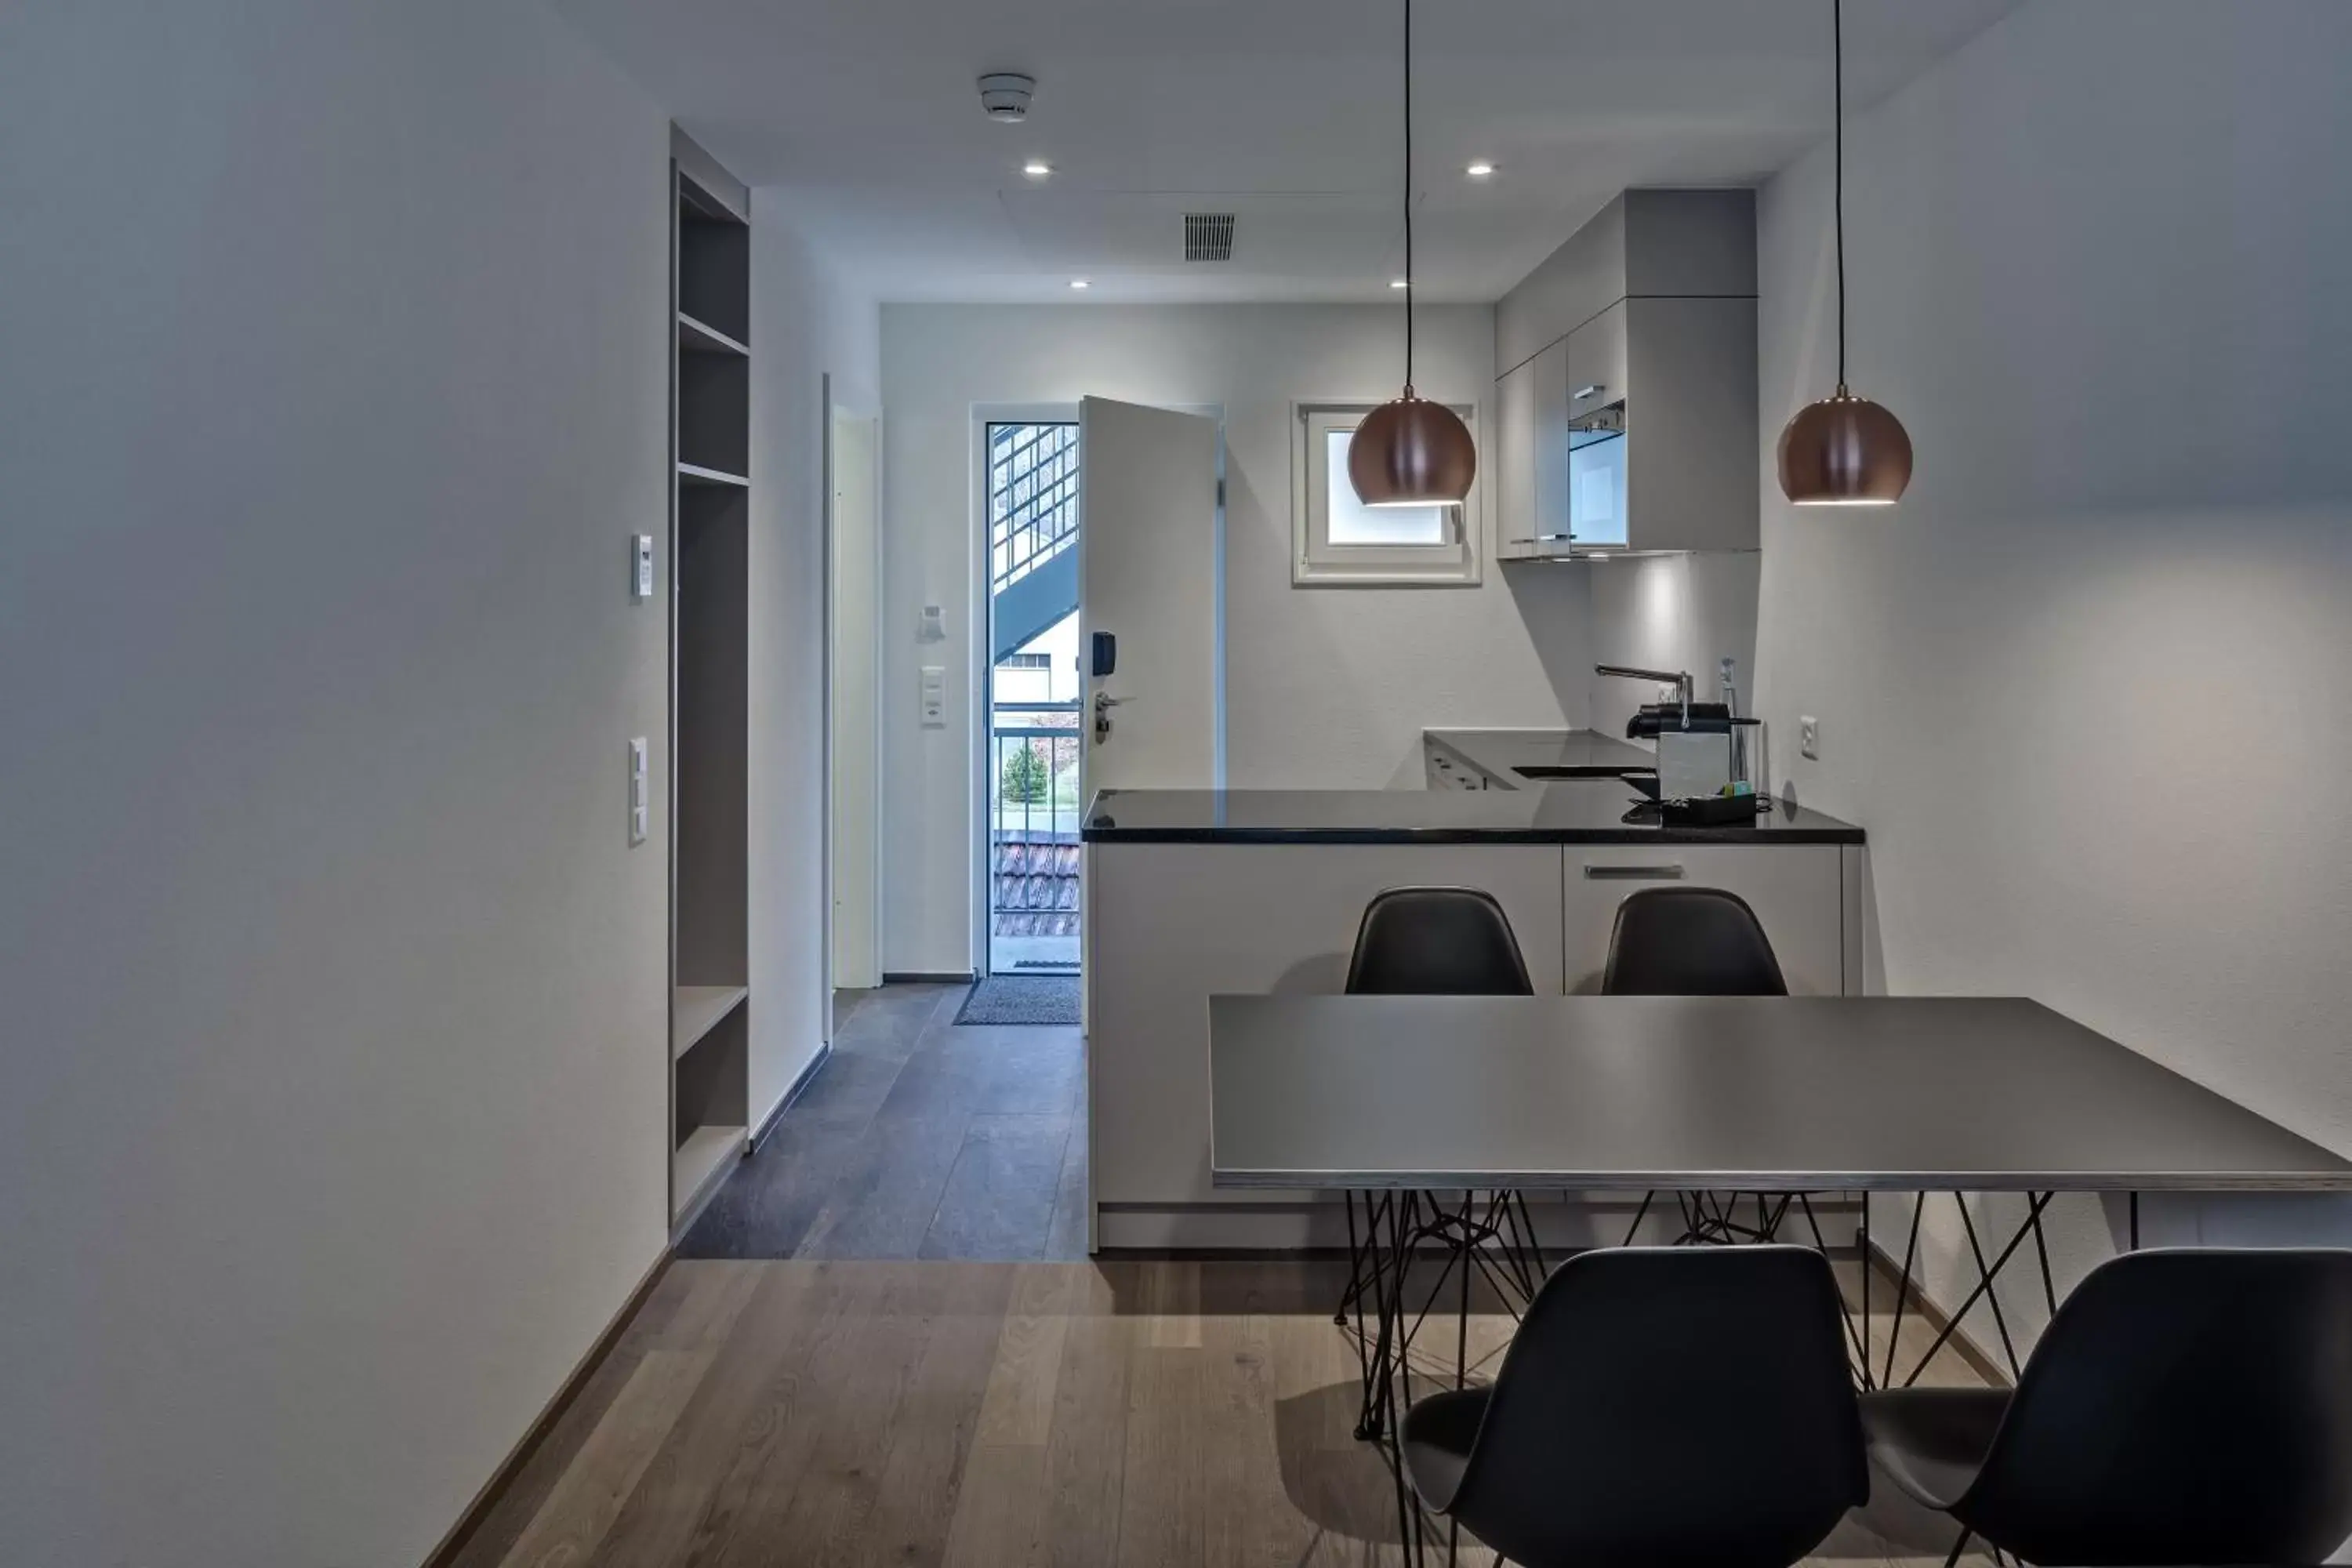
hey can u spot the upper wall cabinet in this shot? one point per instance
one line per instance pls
(1628, 400)
(1531, 449)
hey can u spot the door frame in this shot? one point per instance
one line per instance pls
(836, 402)
(980, 690)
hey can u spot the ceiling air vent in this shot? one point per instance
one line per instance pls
(1208, 237)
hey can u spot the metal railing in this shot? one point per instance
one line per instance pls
(1032, 497)
(1034, 754)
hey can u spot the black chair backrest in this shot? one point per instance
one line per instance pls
(2184, 1407)
(1671, 1406)
(1690, 942)
(1437, 942)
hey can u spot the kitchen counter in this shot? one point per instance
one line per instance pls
(1586, 811)
(1196, 893)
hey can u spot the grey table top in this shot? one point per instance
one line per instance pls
(1779, 1094)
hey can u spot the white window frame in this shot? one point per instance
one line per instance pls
(1316, 562)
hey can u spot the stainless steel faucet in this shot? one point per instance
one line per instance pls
(1680, 678)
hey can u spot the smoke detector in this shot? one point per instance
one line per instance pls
(1005, 96)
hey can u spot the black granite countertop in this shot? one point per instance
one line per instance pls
(1499, 753)
(1582, 812)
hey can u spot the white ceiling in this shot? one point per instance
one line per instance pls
(864, 115)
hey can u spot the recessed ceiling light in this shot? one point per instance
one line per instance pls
(1037, 168)
(1399, 283)
(1481, 169)
(1080, 283)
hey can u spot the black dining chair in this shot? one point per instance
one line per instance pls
(2184, 1407)
(1690, 942)
(1694, 941)
(1605, 1442)
(1436, 942)
(1428, 942)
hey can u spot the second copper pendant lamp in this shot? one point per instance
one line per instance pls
(1410, 451)
(1844, 450)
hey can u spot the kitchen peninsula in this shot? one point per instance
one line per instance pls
(1197, 892)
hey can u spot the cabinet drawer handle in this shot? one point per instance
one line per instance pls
(1634, 873)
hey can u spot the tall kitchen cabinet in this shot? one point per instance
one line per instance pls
(1627, 399)
(710, 442)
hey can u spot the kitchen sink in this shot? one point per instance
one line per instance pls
(1644, 780)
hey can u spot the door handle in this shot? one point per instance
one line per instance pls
(1104, 703)
(1634, 873)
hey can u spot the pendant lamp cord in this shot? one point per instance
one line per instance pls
(1837, 108)
(1408, 197)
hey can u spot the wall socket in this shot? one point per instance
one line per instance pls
(1808, 736)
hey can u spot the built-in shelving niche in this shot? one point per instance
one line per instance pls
(711, 1002)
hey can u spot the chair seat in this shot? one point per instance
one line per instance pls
(1931, 1442)
(1436, 1440)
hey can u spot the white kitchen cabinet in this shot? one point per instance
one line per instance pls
(1798, 891)
(1514, 458)
(1688, 368)
(1595, 361)
(1173, 924)
(1644, 323)
(1531, 451)
(1643, 438)
(1443, 771)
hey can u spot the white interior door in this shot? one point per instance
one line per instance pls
(857, 748)
(1148, 544)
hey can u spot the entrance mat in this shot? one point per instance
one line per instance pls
(1021, 999)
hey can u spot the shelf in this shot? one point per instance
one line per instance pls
(695, 337)
(688, 474)
(696, 1010)
(699, 1163)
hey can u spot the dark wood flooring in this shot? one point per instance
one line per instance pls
(919, 1137)
(1164, 1414)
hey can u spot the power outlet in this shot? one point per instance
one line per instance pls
(1809, 737)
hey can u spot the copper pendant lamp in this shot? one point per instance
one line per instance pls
(1846, 450)
(1410, 451)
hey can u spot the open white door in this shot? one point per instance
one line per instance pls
(1147, 543)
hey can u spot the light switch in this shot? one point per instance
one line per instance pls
(935, 697)
(637, 790)
(640, 567)
(1808, 736)
(934, 625)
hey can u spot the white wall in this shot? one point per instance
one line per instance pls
(332, 1112)
(2083, 686)
(1326, 688)
(806, 322)
(1671, 612)
(331, 1105)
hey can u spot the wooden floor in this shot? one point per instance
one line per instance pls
(990, 1416)
(919, 1137)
